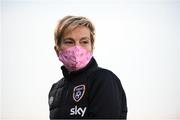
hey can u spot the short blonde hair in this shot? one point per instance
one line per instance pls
(72, 22)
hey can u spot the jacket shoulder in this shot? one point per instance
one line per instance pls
(56, 85)
(104, 77)
(104, 74)
(60, 82)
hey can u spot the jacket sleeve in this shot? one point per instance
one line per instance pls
(107, 98)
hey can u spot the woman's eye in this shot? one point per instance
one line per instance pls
(85, 42)
(68, 42)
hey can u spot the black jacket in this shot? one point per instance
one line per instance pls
(91, 92)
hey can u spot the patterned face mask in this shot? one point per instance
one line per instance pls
(75, 58)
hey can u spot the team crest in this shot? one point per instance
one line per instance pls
(78, 92)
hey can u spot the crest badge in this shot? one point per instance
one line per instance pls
(78, 92)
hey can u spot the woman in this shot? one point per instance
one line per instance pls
(86, 90)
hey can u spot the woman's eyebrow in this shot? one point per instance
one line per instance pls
(68, 38)
(85, 38)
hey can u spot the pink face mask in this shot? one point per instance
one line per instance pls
(75, 58)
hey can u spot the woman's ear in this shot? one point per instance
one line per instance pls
(57, 50)
(92, 48)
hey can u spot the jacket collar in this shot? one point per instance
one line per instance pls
(90, 66)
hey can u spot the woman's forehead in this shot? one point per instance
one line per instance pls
(78, 30)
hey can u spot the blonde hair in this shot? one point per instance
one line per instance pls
(72, 22)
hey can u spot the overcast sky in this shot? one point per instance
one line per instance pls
(137, 39)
